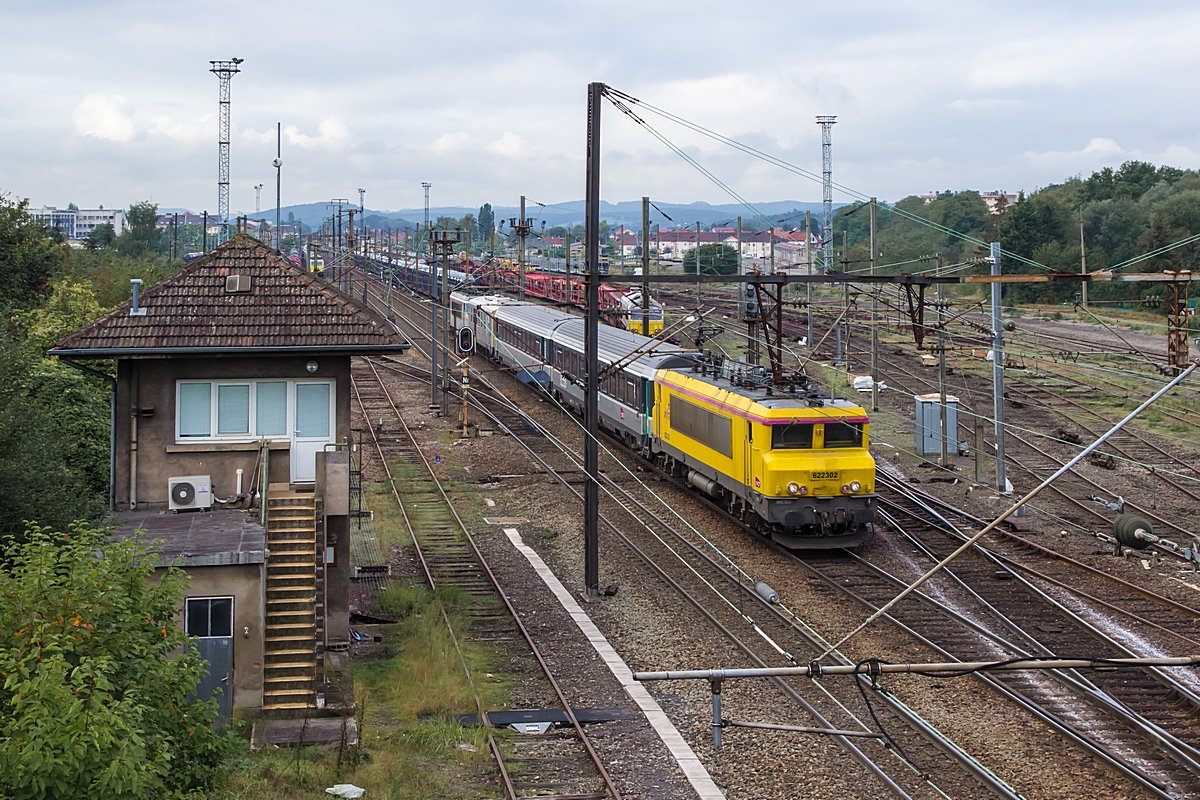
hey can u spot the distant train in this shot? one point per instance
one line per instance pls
(619, 306)
(792, 464)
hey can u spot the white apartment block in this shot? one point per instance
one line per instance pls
(77, 223)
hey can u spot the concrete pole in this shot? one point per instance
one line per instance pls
(521, 252)
(591, 450)
(998, 371)
(697, 255)
(645, 266)
(945, 458)
(874, 313)
(1082, 259)
(808, 286)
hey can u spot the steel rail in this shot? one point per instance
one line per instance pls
(610, 788)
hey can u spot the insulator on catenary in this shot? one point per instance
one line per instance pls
(766, 592)
(1133, 531)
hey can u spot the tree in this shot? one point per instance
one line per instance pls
(97, 672)
(143, 236)
(28, 257)
(486, 220)
(715, 259)
(100, 236)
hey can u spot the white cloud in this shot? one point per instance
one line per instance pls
(982, 104)
(509, 145)
(1101, 145)
(333, 134)
(105, 116)
(449, 143)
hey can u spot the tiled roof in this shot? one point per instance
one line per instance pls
(191, 311)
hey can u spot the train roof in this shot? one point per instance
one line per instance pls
(773, 400)
(615, 344)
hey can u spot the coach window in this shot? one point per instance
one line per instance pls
(793, 436)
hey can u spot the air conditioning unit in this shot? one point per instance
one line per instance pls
(190, 492)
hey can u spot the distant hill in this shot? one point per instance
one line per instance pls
(627, 212)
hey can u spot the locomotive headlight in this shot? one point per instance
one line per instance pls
(845, 488)
(803, 490)
(793, 488)
(855, 486)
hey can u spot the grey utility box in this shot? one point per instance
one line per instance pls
(927, 430)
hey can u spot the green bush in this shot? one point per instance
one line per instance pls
(96, 674)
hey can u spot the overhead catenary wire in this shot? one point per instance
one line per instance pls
(1016, 506)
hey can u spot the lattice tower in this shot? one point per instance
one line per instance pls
(426, 186)
(224, 70)
(827, 124)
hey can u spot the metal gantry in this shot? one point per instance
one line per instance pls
(827, 123)
(224, 70)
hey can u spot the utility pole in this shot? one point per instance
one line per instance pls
(1082, 259)
(846, 293)
(874, 315)
(697, 254)
(206, 230)
(998, 371)
(521, 226)
(808, 286)
(224, 70)
(278, 171)
(645, 266)
(591, 457)
(941, 306)
(362, 217)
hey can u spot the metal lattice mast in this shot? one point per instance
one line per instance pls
(224, 70)
(827, 124)
(425, 185)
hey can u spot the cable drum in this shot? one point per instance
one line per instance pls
(1127, 527)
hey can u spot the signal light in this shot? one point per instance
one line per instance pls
(466, 340)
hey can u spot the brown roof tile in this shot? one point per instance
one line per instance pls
(285, 308)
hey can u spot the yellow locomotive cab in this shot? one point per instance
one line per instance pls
(795, 464)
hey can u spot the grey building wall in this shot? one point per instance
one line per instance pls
(147, 387)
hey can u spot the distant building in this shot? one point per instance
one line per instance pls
(996, 201)
(77, 223)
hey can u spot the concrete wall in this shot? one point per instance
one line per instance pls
(245, 584)
(146, 387)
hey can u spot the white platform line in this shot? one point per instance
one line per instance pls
(680, 750)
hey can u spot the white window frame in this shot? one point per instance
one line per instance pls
(213, 409)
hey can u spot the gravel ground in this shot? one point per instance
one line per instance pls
(647, 624)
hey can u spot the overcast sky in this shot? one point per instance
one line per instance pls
(112, 102)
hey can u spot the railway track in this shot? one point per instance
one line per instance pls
(707, 586)
(562, 760)
(1127, 720)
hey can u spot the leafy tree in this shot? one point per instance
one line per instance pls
(100, 236)
(143, 236)
(715, 259)
(486, 219)
(96, 674)
(29, 258)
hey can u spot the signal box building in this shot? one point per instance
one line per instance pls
(233, 394)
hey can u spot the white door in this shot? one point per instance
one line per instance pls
(313, 429)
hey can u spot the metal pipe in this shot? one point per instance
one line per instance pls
(716, 713)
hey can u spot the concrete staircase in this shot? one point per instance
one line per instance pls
(290, 657)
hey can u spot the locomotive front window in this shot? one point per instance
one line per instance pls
(843, 434)
(792, 436)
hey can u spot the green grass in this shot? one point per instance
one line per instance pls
(419, 674)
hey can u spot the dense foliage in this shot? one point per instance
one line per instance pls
(95, 674)
(1125, 212)
(54, 420)
(715, 259)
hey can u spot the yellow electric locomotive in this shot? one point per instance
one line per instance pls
(793, 463)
